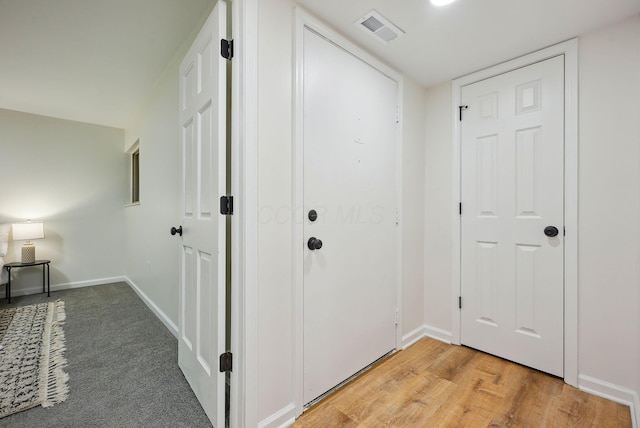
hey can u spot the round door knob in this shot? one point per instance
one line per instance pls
(314, 243)
(551, 231)
(178, 230)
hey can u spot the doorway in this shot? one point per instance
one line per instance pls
(512, 142)
(523, 261)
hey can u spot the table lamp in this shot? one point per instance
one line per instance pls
(26, 232)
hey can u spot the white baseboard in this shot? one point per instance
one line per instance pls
(154, 308)
(612, 392)
(425, 331)
(67, 286)
(282, 418)
(438, 334)
(413, 336)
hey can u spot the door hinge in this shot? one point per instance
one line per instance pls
(459, 302)
(460, 208)
(397, 216)
(397, 316)
(397, 114)
(226, 205)
(460, 108)
(226, 49)
(564, 231)
(226, 362)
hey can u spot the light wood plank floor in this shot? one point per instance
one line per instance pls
(433, 384)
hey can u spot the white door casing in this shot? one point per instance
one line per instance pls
(202, 250)
(512, 146)
(349, 173)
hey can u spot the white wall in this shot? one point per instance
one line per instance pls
(438, 206)
(275, 287)
(71, 175)
(152, 253)
(275, 246)
(609, 206)
(413, 206)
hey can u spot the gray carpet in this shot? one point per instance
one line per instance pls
(122, 365)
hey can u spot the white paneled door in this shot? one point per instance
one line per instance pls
(512, 138)
(350, 243)
(202, 249)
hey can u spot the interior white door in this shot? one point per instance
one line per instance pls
(350, 115)
(512, 137)
(202, 258)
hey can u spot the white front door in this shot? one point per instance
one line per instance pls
(202, 258)
(512, 139)
(349, 134)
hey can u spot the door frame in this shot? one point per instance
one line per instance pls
(304, 20)
(570, 51)
(244, 222)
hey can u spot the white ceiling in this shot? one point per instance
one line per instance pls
(89, 60)
(442, 43)
(97, 60)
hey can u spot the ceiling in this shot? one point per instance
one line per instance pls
(442, 43)
(92, 61)
(96, 61)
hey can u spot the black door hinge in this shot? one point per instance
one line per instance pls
(226, 48)
(459, 302)
(460, 108)
(226, 205)
(226, 362)
(460, 208)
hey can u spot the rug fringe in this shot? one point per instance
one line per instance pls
(56, 389)
(60, 312)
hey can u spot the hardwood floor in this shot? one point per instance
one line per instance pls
(433, 384)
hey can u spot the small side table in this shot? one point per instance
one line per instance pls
(14, 265)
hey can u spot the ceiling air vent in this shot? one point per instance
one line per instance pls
(379, 27)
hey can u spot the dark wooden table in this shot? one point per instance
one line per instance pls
(15, 265)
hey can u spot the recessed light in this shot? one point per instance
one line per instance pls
(441, 2)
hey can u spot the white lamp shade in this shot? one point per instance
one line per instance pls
(28, 231)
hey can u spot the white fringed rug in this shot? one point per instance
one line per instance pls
(32, 358)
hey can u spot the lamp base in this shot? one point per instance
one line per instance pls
(28, 253)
